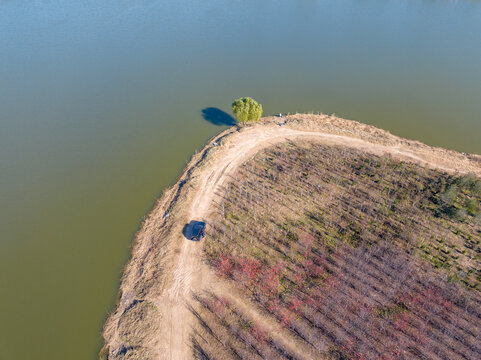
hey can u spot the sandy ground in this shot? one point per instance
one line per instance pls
(186, 274)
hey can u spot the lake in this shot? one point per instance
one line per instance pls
(101, 105)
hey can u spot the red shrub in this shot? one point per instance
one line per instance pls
(250, 268)
(306, 241)
(285, 319)
(225, 265)
(271, 280)
(295, 306)
(401, 321)
(259, 334)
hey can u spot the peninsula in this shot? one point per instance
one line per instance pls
(326, 239)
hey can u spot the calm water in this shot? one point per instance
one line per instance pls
(101, 105)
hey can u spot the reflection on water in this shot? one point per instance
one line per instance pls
(101, 104)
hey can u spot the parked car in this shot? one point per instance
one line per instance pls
(198, 231)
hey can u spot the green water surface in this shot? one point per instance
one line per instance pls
(101, 106)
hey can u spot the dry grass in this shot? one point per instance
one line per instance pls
(157, 245)
(356, 254)
(232, 334)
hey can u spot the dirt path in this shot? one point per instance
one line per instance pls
(190, 275)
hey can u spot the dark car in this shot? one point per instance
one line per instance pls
(198, 231)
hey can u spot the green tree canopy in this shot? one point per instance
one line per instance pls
(449, 196)
(472, 205)
(247, 110)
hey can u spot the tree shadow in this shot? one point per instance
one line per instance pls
(217, 117)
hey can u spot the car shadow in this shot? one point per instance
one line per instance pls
(217, 117)
(187, 230)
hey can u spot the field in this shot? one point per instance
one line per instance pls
(343, 254)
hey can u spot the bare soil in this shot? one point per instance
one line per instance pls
(166, 270)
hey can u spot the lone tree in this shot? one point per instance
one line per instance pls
(247, 110)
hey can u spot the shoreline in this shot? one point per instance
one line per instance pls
(162, 205)
(157, 250)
